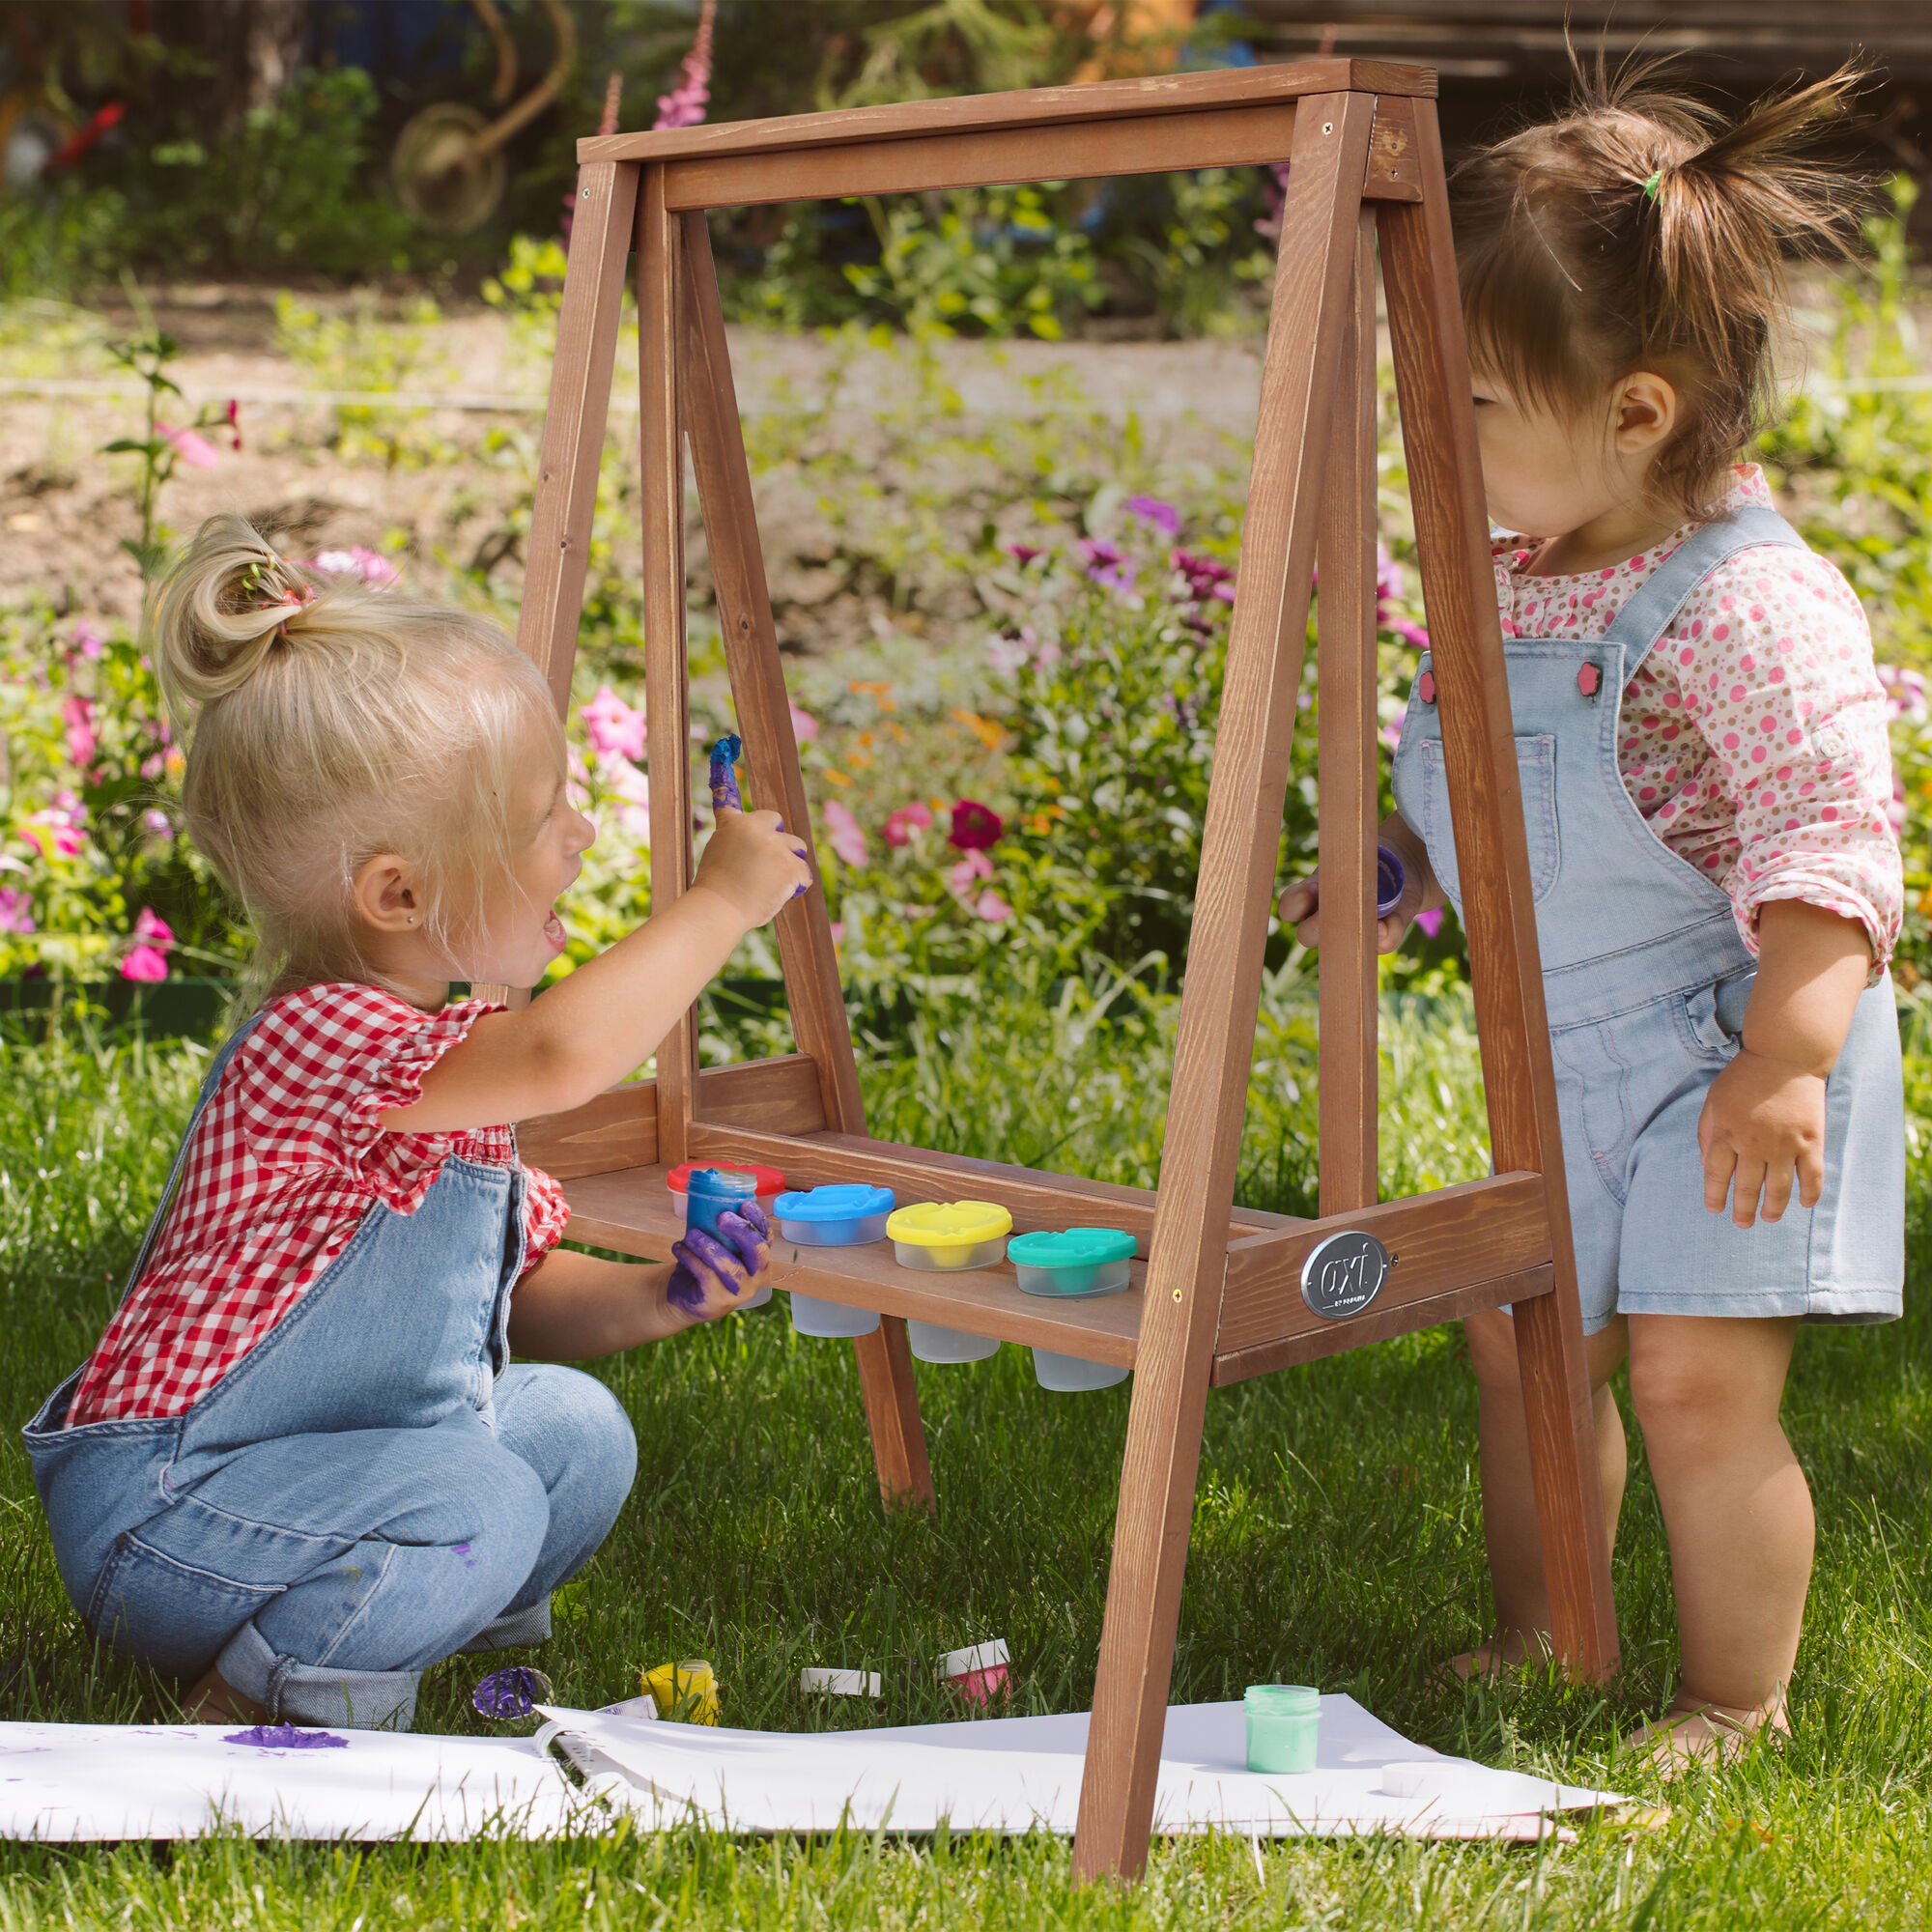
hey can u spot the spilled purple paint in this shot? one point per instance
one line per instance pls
(286, 1737)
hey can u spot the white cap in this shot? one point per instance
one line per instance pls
(841, 1682)
(982, 1656)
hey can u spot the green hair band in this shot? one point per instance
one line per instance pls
(1651, 186)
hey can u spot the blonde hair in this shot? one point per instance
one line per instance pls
(1638, 230)
(329, 722)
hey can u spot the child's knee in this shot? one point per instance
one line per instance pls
(574, 1433)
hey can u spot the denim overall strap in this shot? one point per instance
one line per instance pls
(1645, 618)
(229, 1048)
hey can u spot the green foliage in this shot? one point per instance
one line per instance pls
(360, 350)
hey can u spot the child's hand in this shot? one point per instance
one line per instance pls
(1302, 908)
(753, 864)
(1763, 1123)
(715, 1275)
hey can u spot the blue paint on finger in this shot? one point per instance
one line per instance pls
(724, 757)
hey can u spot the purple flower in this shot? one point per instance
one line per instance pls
(1208, 580)
(1388, 581)
(1163, 516)
(1024, 553)
(844, 834)
(684, 105)
(612, 725)
(974, 826)
(16, 911)
(1107, 563)
(1430, 922)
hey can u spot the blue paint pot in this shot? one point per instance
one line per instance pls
(847, 1214)
(712, 1191)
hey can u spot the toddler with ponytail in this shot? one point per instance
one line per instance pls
(1706, 785)
(301, 1465)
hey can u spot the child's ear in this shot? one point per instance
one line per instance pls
(383, 896)
(1646, 413)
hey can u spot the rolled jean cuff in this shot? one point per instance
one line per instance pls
(311, 1694)
(512, 1629)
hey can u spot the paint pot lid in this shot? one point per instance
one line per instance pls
(988, 1656)
(1071, 1247)
(838, 1201)
(949, 1224)
(768, 1178)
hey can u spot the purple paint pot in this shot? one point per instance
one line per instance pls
(512, 1692)
(286, 1737)
(1390, 879)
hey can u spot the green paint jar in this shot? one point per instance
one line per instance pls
(1283, 1719)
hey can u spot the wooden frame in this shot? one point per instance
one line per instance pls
(1218, 1296)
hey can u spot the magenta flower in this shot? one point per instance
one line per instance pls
(152, 929)
(906, 823)
(1208, 580)
(77, 713)
(971, 870)
(1388, 580)
(358, 560)
(1107, 563)
(196, 451)
(974, 826)
(844, 835)
(1430, 922)
(144, 962)
(1411, 634)
(54, 831)
(1024, 553)
(1163, 516)
(620, 777)
(684, 105)
(88, 641)
(233, 421)
(17, 911)
(804, 725)
(992, 908)
(156, 822)
(612, 725)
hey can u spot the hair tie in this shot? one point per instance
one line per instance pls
(297, 599)
(1651, 186)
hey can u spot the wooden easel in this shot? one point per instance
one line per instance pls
(1221, 1295)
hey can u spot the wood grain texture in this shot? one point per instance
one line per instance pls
(891, 1394)
(1246, 137)
(809, 961)
(666, 689)
(1313, 288)
(1486, 808)
(619, 1128)
(1036, 1200)
(1349, 763)
(1380, 1324)
(1158, 94)
(1437, 1241)
(633, 1212)
(1395, 171)
(603, 226)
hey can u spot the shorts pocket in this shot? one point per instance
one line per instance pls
(1702, 1031)
(167, 1615)
(1536, 773)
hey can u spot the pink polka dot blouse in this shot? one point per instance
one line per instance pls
(1754, 738)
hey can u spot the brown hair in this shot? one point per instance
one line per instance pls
(333, 722)
(1637, 231)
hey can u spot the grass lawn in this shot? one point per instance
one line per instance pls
(1337, 1541)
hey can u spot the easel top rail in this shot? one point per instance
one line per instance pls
(979, 113)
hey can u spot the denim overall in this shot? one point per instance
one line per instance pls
(1646, 980)
(369, 1489)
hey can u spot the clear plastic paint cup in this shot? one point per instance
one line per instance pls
(831, 1320)
(1284, 1720)
(769, 1182)
(1073, 1375)
(931, 1344)
(712, 1191)
(1073, 1262)
(843, 1214)
(940, 1235)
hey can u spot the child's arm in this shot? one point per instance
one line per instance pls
(571, 1307)
(599, 1024)
(1764, 1118)
(1300, 904)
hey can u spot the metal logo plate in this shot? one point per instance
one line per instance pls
(1345, 1274)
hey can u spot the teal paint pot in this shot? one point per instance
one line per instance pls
(1283, 1723)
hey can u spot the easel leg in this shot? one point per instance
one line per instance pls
(1472, 699)
(1346, 658)
(1182, 1310)
(764, 714)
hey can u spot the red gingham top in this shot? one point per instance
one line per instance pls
(286, 1164)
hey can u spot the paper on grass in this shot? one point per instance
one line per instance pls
(1021, 1774)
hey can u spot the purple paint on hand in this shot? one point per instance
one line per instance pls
(725, 755)
(512, 1692)
(286, 1737)
(749, 1234)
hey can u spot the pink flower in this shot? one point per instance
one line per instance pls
(906, 823)
(16, 911)
(1023, 554)
(804, 725)
(1163, 516)
(358, 560)
(233, 421)
(974, 826)
(992, 908)
(1107, 563)
(88, 641)
(1430, 922)
(684, 105)
(971, 870)
(1388, 580)
(144, 962)
(196, 451)
(77, 713)
(54, 831)
(612, 725)
(1208, 579)
(156, 823)
(153, 766)
(151, 927)
(620, 776)
(844, 835)
(1412, 634)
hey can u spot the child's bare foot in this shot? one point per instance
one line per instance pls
(1503, 1656)
(1705, 1734)
(213, 1700)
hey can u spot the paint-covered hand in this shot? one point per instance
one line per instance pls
(719, 1273)
(755, 864)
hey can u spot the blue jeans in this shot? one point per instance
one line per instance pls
(371, 1487)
